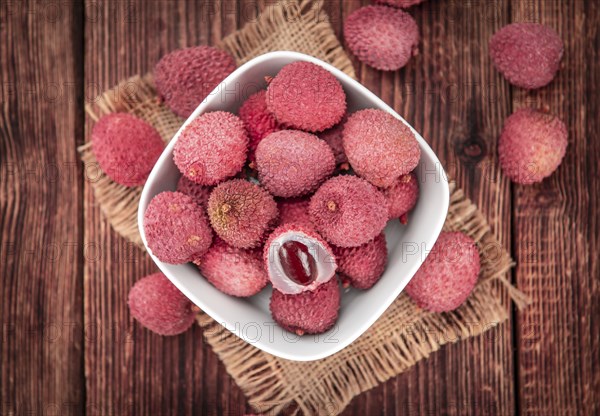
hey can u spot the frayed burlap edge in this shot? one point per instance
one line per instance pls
(301, 27)
(403, 335)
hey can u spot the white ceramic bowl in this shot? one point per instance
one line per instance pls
(408, 245)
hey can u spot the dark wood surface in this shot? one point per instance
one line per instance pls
(68, 344)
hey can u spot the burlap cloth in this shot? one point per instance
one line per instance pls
(402, 336)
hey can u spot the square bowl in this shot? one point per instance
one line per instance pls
(408, 245)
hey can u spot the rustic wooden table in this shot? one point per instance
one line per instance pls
(68, 344)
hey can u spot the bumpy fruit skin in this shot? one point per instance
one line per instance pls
(293, 163)
(448, 275)
(186, 76)
(213, 147)
(294, 211)
(126, 148)
(380, 147)
(348, 211)
(403, 4)
(527, 54)
(362, 266)
(306, 96)
(334, 138)
(531, 146)
(310, 312)
(176, 228)
(258, 120)
(382, 37)
(198, 192)
(402, 196)
(159, 306)
(241, 212)
(233, 271)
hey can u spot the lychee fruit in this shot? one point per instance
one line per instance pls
(448, 274)
(310, 312)
(382, 37)
(380, 147)
(241, 212)
(234, 271)
(126, 148)
(402, 196)
(297, 259)
(258, 120)
(293, 163)
(362, 266)
(307, 97)
(527, 54)
(348, 211)
(176, 228)
(213, 147)
(186, 76)
(403, 4)
(199, 193)
(333, 137)
(159, 306)
(531, 146)
(294, 211)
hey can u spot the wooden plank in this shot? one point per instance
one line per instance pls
(129, 369)
(452, 95)
(556, 229)
(40, 209)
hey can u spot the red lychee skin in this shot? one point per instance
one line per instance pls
(448, 275)
(233, 271)
(176, 228)
(380, 147)
(307, 97)
(362, 266)
(293, 163)
(402, 196)
(333, 137)
(527, 54)
(403, 4)
(241, 213)
(159, 306)
(198, 192)
(348, 211)
(531, 146)
(258, 120)
(212, 148)
(311, 312)
(126, 148)
(186, 76)
(294, 211)
(309, 232)
(382, 37)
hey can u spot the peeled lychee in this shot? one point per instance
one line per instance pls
(527, 54)
(126, 148)
(176, 228)
(198, 192)
(241, 212)
(310, 312)
(402, 196)
(531, 146)
(186, 76)
(348, 211)
(234, 271)
(159, 306)
(297, 259)
(380, 147)
(294, 211)
(333, 137)
(213, 147)
(382, 37)
(292, 163)
(306, 96)
(448, 274)
(362, 266)
(258, 120)
(403, 4)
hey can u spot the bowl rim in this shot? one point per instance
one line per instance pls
(214, 314)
